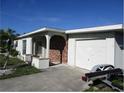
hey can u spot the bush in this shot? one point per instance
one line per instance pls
(13, 52)
(2, 50)
(2, 60)
(20, 71)
(11, 61)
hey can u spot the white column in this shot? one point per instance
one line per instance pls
(34, 45)
(47, 45)
(31, 43)
(43, 50)
(29, 46)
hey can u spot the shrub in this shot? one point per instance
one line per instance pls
(13, 52)
(11, 61)
(2, 50)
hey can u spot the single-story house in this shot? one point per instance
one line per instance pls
(83, 48)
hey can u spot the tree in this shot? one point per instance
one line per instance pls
(5, 35)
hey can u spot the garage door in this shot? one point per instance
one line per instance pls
(90, 53)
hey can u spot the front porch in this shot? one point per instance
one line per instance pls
(48, 48)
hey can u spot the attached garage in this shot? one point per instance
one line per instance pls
(92, 46)
(90, 52)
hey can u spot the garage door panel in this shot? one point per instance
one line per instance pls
(90, 53)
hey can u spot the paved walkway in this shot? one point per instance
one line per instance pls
(56, 78)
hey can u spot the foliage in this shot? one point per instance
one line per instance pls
(20, 71)
(99, 86)
(13, 52)
(2, 60)
(96, 89)
(118, 81)
(5, 35)
(11, 61)
(2, 49)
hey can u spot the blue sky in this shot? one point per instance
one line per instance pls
(28, 15)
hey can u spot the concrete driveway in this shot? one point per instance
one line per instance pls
(56, 78)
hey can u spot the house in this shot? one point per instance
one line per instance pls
(83, 48)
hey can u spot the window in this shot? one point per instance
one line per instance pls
(16, 44)
(24, 47)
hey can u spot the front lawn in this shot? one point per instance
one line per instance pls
(19, 70)
(11, 61)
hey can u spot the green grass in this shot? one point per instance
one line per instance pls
(98, 86)
(20, 70)
(11, 61)
(118, 81)
(97, 89)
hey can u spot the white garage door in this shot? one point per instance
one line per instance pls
(90, 53)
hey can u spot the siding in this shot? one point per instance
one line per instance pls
(20, 47)
(119, 50)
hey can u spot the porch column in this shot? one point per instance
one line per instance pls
(47, 45)
(29, 46)
(34, 45)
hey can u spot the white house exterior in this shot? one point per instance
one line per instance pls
(97, 45)
(83, 48)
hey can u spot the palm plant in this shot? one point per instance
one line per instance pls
(7, 37)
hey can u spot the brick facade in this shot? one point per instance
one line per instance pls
(64, 53)
(58, 50)
(54, 55)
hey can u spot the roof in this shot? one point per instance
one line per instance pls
(96, 29)
(84, 30)
(42, 30)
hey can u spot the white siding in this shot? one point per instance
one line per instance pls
(71, 51)
(119, 62)
(110, 50)
(28, 47)
(19, 47)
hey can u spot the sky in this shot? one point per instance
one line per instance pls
(27, 15)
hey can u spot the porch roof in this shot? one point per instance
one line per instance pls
(45, 29)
